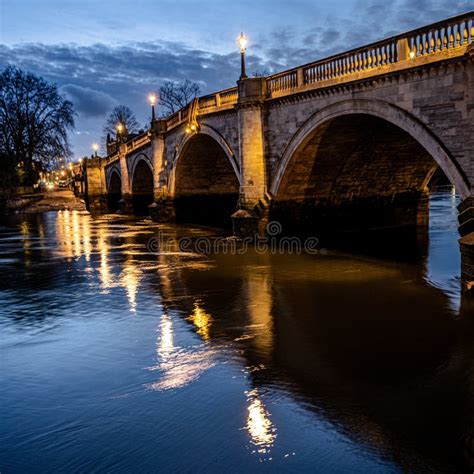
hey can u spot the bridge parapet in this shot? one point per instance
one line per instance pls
(435, 42)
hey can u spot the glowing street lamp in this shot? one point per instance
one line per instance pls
(242, 41)
(153, 99)
(95, 147)
(119, 128)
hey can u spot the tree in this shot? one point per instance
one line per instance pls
(34, 123)
(176, 95)
(120, 114)
(263, 73)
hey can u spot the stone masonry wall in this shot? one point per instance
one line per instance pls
(441, 97)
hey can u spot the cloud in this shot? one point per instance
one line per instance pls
(87, 101)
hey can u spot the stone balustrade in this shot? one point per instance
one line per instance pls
(438, 41)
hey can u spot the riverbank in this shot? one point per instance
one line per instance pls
(54, 200)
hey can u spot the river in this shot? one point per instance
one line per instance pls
(117, 356)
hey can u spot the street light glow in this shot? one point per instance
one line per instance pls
(152, 98)
(242, 41)
(95, 147)
(119, 127)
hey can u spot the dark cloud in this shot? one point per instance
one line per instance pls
(87, 101)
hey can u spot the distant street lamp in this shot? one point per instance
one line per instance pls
(152, 98)
(119, 128)
(242, 42)
(95, 147)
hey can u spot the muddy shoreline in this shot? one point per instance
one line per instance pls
(55, 200)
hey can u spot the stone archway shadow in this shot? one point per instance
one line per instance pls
(392, 114)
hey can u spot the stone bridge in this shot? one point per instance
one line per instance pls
(347, 143)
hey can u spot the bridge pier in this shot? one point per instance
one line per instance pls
(95, 187)
(466, 244)
(126, 202)
(249, 219)
(162, 209)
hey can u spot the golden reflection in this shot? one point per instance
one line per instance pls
(131, 276)
(259, 303)
(64, 233)
(25, 228)
(201, 320)
(178, 366)
(74, 234)
(103, 247)
(26, 242)
(165, 346)
(259, 426)
(86, 237)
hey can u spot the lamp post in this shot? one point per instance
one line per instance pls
(95, 147)
(119, 127)
(242, 42)
(152, 98)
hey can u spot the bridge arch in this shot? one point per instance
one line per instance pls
(388, 112)
(184, 143)
(360, 165)
(141, 184)
(114, 189)
(204, 179)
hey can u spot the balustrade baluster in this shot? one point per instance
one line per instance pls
(437, 41)
(451, 37)
(464, 33)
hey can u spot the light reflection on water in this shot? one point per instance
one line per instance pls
(177, 366)
(117, 360)
(259, 426)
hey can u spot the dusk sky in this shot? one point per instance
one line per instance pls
(103, 53)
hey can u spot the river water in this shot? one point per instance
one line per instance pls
(117, 356)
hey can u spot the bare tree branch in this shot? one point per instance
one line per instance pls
(120, 114)
(34, 122)
(176, 95)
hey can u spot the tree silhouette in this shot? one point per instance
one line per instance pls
(120, 114)
(34, 123)
(176, 95)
